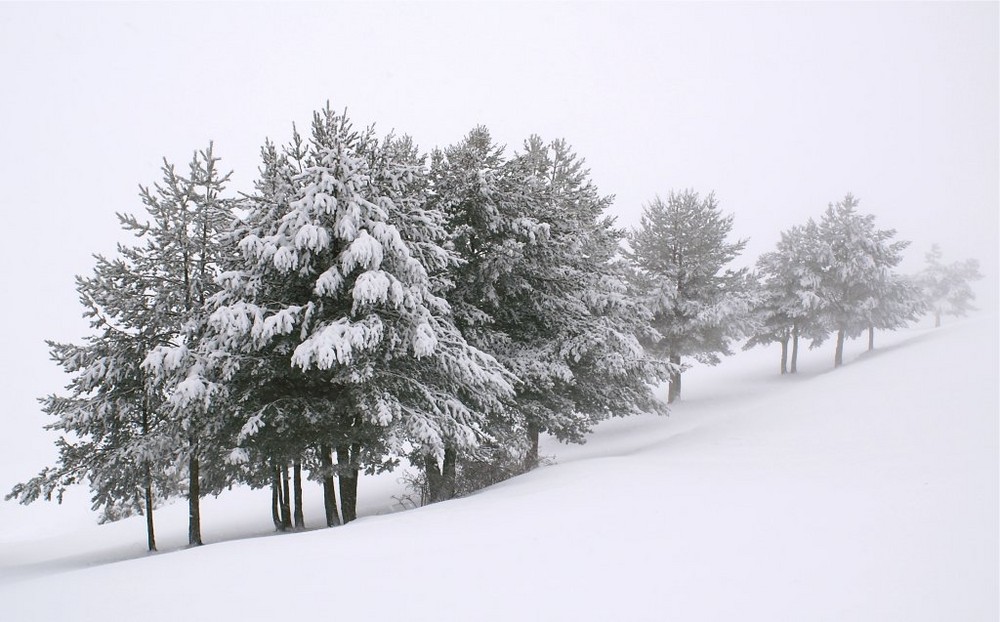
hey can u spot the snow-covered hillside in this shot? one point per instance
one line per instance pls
(865, 493)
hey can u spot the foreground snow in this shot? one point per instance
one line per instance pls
(865, 493)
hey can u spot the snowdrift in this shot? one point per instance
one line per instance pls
(864, 493)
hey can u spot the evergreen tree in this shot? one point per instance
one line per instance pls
(699, 306)
(898, 301)
(335, 280)
(183, 230)
(541, 288)
(855, 260)
(790, 305)
(124, 431)
(111, 421)
(946, 287)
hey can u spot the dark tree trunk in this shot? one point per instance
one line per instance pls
(674, 388)
(150, 532)
(784, 356)
(148, 477)
(348, 470)
(276, 499)
(795, 349)
(329, 490)
(449, 473)
(871, 337)
(531, 459)
(286, 501)
(838, 357)
(300, 521)
(194, 500)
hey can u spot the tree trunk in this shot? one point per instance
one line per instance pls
(937, 319)
(329, 490)
(795, 349)
(871, 337)
(674, 388)
(433, 474)
(150, 532)
(348, 470)
(531, 459)
(276, 499)
(148, 477)
(449, 473)
(194, 499)
(838, 357)
(286, 502)
(784, 356)
(300, 521)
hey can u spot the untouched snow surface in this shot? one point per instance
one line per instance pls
(864, 493)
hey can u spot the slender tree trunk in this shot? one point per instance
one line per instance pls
(937, 319)
(784, 356)
(348, 470)
(449, 473)
(286, 501)
(838, 357)
(150, 532)
(871, 337)
(531, 459)
(194, 500)
(329, 494)
(276, 499)
(148, 477)
(674, 388)
(300, 521)
(795, 349)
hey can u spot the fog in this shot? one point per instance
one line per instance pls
(779, 109)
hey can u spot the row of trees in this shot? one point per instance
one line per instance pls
(837, 277)
(367, 304)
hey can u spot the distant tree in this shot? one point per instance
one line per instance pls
(699, 306)
(790, 306)
(855, 261)
(898, 301)
(946, 287)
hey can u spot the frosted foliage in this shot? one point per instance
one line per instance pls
(312, 238)
(338, 343)
(329, 283)
(425, 341)
(376, 287)
(364, 252)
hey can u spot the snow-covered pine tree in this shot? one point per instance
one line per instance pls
(112, 422)
(183, 228)
(790, 306)
(946, 287)
(856, 260)
(336, 280)
(539, 286)
(699, 305)
(899, 300)
(592, 317)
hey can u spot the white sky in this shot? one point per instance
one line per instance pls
(779, 108)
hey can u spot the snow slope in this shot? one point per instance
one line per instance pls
(864, 493)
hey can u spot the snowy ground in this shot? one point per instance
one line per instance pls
(865, 493)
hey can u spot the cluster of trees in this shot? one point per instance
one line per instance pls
(368, 304)
(837, 277)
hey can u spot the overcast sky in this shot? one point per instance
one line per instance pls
(778, 108)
